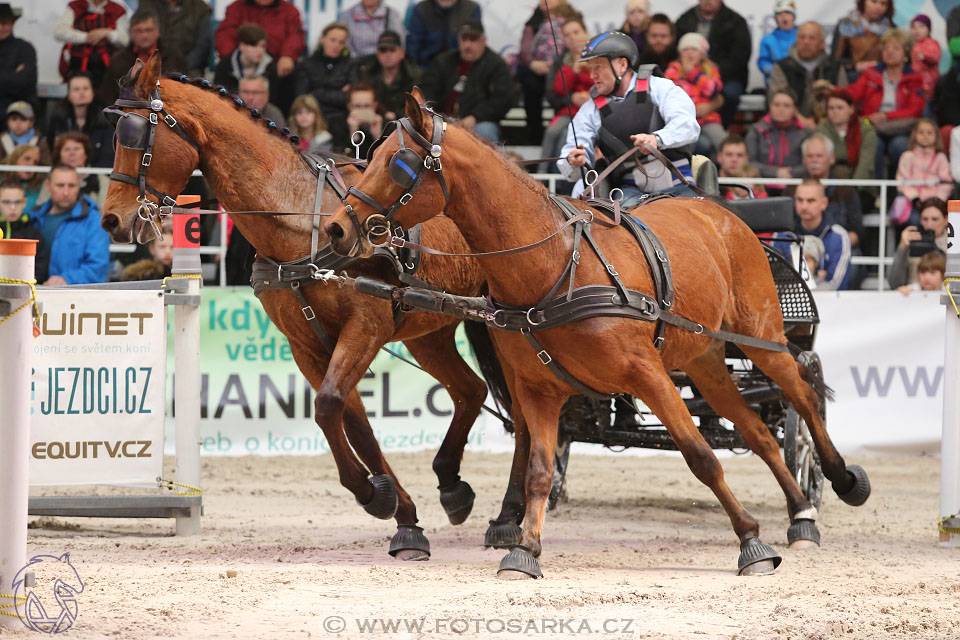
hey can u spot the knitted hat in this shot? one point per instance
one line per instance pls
(693, 40)
(813, 247)
(923, 19)
(785, 6)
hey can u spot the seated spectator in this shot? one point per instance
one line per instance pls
(33, 182)
(700, 79)
(892, 113)
(731, 44)
(255, 92)
(925, 160)
(72, 149)
(570, 89)
(158, 265)
(746, 171)
(638, 19)
(773, 143)
(15, 223)
(856, 39)
(471, 83)
(809, 72)
(433, 25)
(185, 25)
(70, 222)
(144, 40)
(250, 58)
(21, 130)
(813, 251)
(362, 116)
(326, 76)
(661, 37)
(925, 57)
(811, 202)
(18, 62)
(306, 122)
(390, 73)
(93, 30)
(366, 20)
(777, 44)
(731, 156)
(854, 138)
(933, 221)
(281, 19)
(930, 274)
(79, 112)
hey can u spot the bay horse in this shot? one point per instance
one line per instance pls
(722, 282)
(251, 165)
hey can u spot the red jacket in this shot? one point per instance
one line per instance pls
(867, 91)
(281, 21)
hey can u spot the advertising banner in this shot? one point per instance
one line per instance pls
(98, 387)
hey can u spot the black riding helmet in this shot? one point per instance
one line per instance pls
(610, 45)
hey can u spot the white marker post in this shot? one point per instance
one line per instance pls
(186, 261)
(16, 344)
(950, 441)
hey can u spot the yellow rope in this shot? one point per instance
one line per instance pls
(32, 300)
(188, 276)
(16, 600)
(170, 484)
(946, 286)
(945, 529)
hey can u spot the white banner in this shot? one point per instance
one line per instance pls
(98, 387)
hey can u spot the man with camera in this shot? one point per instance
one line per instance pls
(916, 243)
(362, 116)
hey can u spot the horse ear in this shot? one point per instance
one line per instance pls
(149, 76)
(415, 111)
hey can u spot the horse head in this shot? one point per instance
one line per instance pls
(156, 152)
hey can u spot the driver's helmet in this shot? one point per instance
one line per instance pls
(610, 45)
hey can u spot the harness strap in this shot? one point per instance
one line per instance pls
(720, 334)
(315, 227)
(308, 313)
(562, 374)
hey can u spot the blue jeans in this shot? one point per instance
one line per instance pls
(632, 194)
(489, 131)
(889, 148)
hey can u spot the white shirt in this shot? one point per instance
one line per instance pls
(64, 31)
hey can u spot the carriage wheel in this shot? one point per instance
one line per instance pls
(561, 457)
(801, 457)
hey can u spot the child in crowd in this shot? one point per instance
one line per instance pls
(15, 223)
(160, 262)
(700, 79)
(33, 182)
(925, 57)
(307, 122)
(21, 130)
(930, 274)
(813, 252)
(737, 193)
(925, 160)
(776, 45)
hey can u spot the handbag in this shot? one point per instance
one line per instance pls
(895, 127)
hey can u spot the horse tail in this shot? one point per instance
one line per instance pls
(812, 372)
(490, 369)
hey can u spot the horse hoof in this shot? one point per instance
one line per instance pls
(510, 574)
(803, 534)
(521, 561)
(502, 535)
(457, 501)
(757, 558)
(383, 504)
(860, 491)
(409, 543)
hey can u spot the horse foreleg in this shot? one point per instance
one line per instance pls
(504, 532)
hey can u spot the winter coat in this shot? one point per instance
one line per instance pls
(867, 91)
(836, 255)
(431, 29)
(325, 79)
(575, 83)
(864, 168)
(23, 229)
(365, 29)
(17, 85)
(488, 93)
(701, 85)
(121, 62)
(80, 253)
(229, 72)
(925, 164)
(929, 66)
(790, 73)
(99, 130)
(390, 97)
(773, 47)
(946, 97)
(771, 145)
(187, 31)
(729, 39)
(281, 20)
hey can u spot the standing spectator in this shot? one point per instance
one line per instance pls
(326, 76)
(32, 182)
(433, 25)
(390, 73)
(307, 123)
(250, 58)
(811, 203)
(946, 97)
(15, 223)
(854, 138)
(933, 220)
(72, 149)
(773, 144)
(924, 160)
(730, 41)
(856, 40)
(255, 92)
(890, 95)
(699, 78)
(21, 129)
(638, 19)
(925, 58)
(93, 31)
(570, 90)
(79, 112)
(18, 62)
(732, 156)
(144, 40)
(362, 116)
(185, 25)
(70, 223)
(281, 20)
(661, 47)
(471, 83)
(366, 20)
(809, 72)
(776, 45)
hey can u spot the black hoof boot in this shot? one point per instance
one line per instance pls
(409, 543)
(519, 563)
(502, 535)
(457, 501)
(803, 534)
(860, 491)
(383, 504)
(757, 558)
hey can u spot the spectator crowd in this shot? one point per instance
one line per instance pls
(872, 104)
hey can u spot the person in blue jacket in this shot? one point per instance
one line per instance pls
(776, 45)
(70, 222)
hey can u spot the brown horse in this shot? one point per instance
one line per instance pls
(250, 165)
(722, 281)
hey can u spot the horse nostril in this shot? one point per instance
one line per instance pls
(110, 221)
(335, 231)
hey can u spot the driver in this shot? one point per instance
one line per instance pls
(630, 108)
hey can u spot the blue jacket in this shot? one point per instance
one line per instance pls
(431, 29)
(81, 249)
(836, 256)
(773, 47)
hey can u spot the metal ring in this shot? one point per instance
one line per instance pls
(614, 190)
(530, 320)
(353, 138)
(494, 318)
(699, 329)
(331, 164)
(586, 178)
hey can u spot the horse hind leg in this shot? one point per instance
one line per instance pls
(709, 373)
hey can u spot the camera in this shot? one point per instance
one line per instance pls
(924, 245)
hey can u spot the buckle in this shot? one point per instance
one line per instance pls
(309, 316)
(397, 241)
(576, 257)
(147, 157)
(612, 270)
(662, 258)
(437, 165)
(405, 198)
(170, 120)
(153, 118)
(544, 357)
(658, 343)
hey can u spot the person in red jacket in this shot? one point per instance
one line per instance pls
(890, 96)
(281, 20)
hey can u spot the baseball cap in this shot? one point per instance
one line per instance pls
(389, 40)
(472, 28)
(21, 107)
